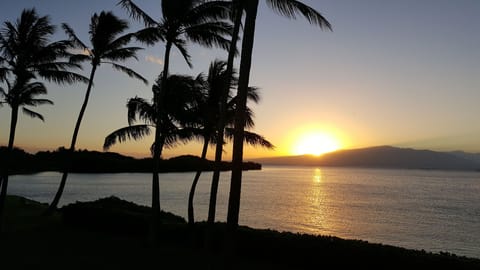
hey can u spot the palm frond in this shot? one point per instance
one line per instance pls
(62, 77)
(135, 132)
(292, 8)
(39, 101)
(130, 72)
(3, 73)
(253, 94)
(150, 35)
(73, 37)
(121, 41)
(209, 11)
(32, 114)
(121, 54)
(181, 46)
(33, 89)
(251, 138)
(257, 140)
(78, 58)
(137, 13)
(143, 109)
(210, 34)
(56, 66)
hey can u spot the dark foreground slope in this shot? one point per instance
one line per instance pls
(383, 157)
(111, 234)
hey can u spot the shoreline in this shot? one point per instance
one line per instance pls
(114, 225)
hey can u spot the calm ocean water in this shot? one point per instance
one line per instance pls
(431, 210)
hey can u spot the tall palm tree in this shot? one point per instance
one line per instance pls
(108, 46)
(182, 21)
(207, 118)
(290, 9)
(236, 13)
(26, 55)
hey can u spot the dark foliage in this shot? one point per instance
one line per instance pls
(113, 215)
(93, 242)
(84, 161)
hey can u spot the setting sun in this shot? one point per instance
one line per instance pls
(316, 144)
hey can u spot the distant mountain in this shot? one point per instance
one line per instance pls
(384, 157)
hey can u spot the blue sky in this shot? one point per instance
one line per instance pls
(401, 73)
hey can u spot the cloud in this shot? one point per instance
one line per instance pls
(154, 59)
(80, 51)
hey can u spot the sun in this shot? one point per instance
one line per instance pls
(316, 144)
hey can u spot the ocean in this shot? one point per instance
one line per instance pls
(437, 211)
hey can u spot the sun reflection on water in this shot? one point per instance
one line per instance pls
(321, 218)
(317, 175)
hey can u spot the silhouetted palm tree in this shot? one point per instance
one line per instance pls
(182, 21)
(290, 9)
(26, 55)
(236, 13)
(183, 93)
(108, 46)
(207, 118)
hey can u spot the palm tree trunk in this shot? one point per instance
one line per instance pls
(159, 99)
(71, 150)
(4, 176)
(237, 153)
(223, 116)
(155, 222)
(191, 216)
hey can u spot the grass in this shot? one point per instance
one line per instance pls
(112, 233)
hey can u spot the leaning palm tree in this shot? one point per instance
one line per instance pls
(207, 117)
(290, 9)
(26, 55)
(108, 46)
(182, 21)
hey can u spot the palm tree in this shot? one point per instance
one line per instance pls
(182, 21)
(26, 55)
(108, 47)
(207, 117)
(290, 9)
(236, 13)
(183, 94)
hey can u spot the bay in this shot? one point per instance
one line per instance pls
(437, 211)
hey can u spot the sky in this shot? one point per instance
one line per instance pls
(403, 73)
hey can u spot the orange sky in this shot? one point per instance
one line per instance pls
(391, 73)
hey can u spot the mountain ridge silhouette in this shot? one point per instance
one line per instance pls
(383, 157)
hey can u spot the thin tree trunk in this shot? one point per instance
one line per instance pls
(223, 116)
(158, 147)
(159, 99)
(71, 150)
(3, 192)
(237, 153)
(191, 214)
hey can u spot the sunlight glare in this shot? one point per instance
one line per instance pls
(316, 144)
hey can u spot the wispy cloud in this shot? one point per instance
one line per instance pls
(154, 59)
(80, 51)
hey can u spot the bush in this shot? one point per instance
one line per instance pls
(113, 215)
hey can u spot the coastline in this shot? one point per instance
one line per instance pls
(97, 237)
(84, 161)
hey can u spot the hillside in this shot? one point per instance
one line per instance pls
(382, 157)
(84, 161)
